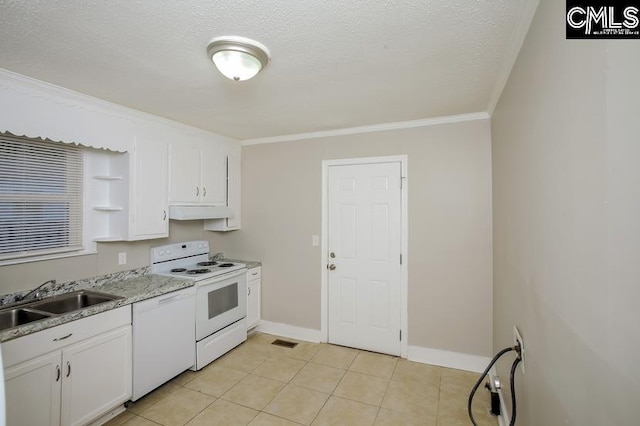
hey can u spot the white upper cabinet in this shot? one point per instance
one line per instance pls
(198, 174)
(149, 189)
(213, 167)
(185, 174)
(233, 189)
(128, 192)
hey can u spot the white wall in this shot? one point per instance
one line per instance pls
(566, 188)
(449, 258)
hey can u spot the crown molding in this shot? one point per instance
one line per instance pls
(520, 30)
(371, 128)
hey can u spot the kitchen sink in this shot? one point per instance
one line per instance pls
(74, 301)
(50, 307)
(19, 316)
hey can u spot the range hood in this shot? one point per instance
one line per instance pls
(200, 212)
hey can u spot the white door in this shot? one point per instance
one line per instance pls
(364, 213)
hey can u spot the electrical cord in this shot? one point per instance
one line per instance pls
(513, 389)
(484, 374)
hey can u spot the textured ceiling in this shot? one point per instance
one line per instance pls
(335, 63)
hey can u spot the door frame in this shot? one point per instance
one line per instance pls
(404, 240)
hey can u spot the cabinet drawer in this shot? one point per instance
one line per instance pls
(254, 273)
(51, 339)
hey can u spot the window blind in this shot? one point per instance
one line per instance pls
(41, 200)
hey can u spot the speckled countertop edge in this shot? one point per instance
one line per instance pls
(133, 287)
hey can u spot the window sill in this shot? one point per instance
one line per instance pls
(20, 260)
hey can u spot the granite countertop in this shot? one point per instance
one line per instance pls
(133, 286)
(133, 289)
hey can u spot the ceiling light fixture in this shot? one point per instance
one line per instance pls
(238, 58)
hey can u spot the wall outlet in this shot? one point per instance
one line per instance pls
(315, 240)
(517, 340)
(122, 258)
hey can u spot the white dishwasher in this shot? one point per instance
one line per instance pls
(163, 339)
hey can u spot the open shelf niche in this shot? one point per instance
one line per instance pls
(107, 179)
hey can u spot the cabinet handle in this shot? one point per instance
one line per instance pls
(204, 191)
(59, 373)
(254, 274)
(197, 191)
(164, 215)
(249, 288)
(57, 339)
(68, 368)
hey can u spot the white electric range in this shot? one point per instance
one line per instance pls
(221, 296)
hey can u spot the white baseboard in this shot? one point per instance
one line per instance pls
(290, 331)
(457, 360)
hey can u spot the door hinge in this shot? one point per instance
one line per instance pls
(401, 335)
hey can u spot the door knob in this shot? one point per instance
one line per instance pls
(332, 267)
(332, 255)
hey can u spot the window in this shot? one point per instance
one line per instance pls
(41, 200)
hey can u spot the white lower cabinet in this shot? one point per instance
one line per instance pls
(254, 296)
(75, 383)
(33, 391)
(96, 376)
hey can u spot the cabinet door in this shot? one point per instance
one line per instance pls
(214, 176)
(253, 303)
(96, 376)
(32, 390)
(150, 192)
(185, 174)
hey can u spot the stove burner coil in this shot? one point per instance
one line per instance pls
(198, 271)
(225, 265)
(208, 263)
(178, 269)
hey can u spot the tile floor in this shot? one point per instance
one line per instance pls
(312, 384)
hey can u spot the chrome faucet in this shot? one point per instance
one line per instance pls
(35, 293)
